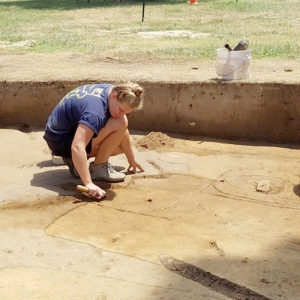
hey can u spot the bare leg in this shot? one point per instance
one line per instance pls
(125, 145)
(115, 143)
(108, 140)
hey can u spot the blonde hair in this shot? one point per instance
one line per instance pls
(130, 93)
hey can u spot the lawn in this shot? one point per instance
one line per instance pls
(115, 28)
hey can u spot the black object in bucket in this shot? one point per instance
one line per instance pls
(242, 45)
(228, 47)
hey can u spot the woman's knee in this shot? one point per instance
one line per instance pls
(117, 123)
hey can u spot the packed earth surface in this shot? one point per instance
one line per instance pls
(70, 66)
(208, 219)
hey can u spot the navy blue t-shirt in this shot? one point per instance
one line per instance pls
(86, 104)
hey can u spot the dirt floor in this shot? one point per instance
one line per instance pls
(55, 67)
(208, 219)
(198, 208)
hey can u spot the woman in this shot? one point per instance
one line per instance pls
(90, 121)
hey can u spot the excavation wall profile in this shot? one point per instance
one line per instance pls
(231, 110)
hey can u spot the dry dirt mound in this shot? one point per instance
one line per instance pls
(155, 141)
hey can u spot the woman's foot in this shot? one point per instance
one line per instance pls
(105, 172)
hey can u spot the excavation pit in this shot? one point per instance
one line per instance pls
(205, 145)
(194, 210)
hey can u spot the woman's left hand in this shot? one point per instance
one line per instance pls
(133, 166)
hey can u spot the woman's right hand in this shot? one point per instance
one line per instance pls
(95, 191)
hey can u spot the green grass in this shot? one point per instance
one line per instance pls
(110, 27)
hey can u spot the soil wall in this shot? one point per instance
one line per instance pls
(231, 110)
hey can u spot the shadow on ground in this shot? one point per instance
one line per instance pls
(234, 141)
(297, 190)
(273, 275)
(79, 4)
(61, 182)
(230, 140)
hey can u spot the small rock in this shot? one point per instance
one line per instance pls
(213, 244)
(193, 124)
(263, 186)
(288, 70)
(264, 280)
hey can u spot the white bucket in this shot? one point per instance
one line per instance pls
(233, 64)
